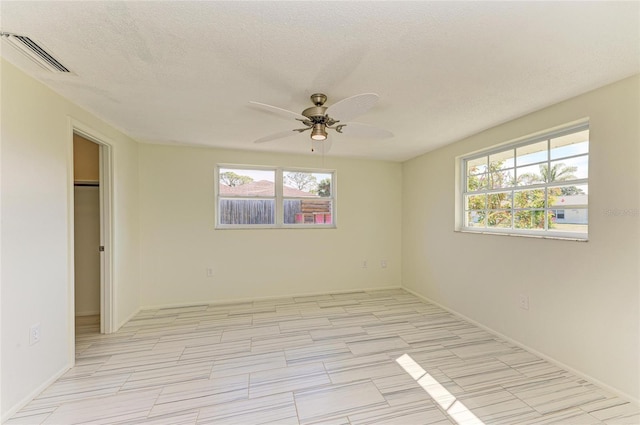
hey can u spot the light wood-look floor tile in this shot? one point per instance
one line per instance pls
(365, 357)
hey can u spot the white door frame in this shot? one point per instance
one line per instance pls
(106, 202)
(107, 292)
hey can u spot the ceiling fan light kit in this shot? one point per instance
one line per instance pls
(319, 118)
(319, 132)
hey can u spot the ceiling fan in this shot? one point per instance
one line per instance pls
(337, 117)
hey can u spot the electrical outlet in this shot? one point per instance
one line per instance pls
(383, 264)
(209, 271)
(364, 264)
(524, 302)
(34, 334)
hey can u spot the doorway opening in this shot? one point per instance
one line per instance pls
(91, 309)
(87, 245)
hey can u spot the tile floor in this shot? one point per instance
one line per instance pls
(381, 357)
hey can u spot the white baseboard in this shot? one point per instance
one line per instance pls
(131, 316)
(546, 357)
(271, 297)
(35, 393)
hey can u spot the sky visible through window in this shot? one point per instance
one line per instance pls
(269, 175)
(256, 175)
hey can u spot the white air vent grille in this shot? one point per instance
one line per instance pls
(35, 52)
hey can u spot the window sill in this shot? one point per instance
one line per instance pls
(274, 227)
(562, 237)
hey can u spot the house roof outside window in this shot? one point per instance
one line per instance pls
(262, 188)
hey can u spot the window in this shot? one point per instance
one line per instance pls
(307, 197)
(536, 187)
(246, 196)
(249, 197)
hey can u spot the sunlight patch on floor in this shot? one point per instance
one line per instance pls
(444, 398)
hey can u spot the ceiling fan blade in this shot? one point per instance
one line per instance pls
(351, 107)
(282, 112)
(358, 129)
(280, 135)
(321, 146)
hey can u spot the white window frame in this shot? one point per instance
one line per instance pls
(462, 187)
(331, 198)
(218, 196)
(279, 198)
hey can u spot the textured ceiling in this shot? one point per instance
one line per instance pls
(184, 72)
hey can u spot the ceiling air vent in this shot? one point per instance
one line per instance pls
(35, 52)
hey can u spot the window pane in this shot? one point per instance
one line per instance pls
(501, 160)
(529, 220)
(568, 169)
(499, 219)
(477, 182)
(568, 196)
(477, 166)
(569, 145)
(569, 220)
(499, 200)
(306, 184)
(241, 182)
(502, 178)
(532, 174)
(529, 198)
(247, 211)
(308, 211)
(530, 154)
(475, 202)
(475, 218)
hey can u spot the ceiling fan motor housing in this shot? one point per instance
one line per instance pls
(318, 114)
(315, 113)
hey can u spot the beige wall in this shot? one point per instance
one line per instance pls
(86, 215)
(179, 241)
(584, 297)
(36, 234)
(86, 166)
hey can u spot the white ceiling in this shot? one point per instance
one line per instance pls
(184, 72)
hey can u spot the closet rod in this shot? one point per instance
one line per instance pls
(86, 183)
